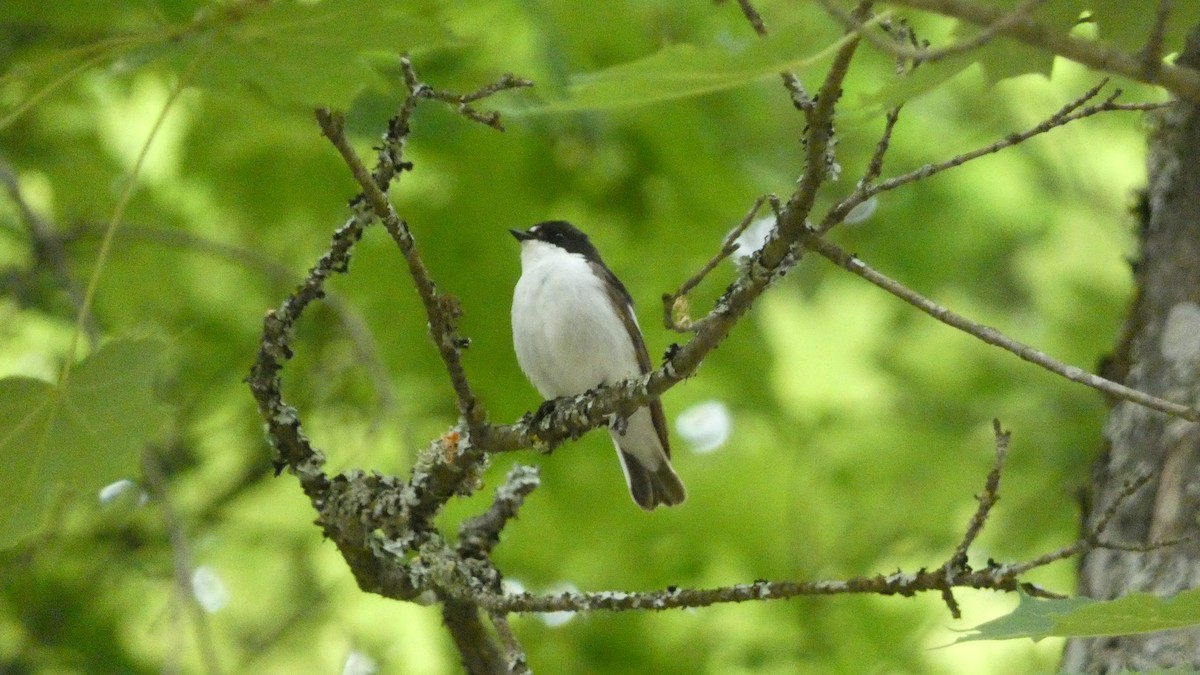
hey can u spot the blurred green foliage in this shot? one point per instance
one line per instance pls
(861, 428)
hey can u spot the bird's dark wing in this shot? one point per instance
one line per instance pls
(622, 304)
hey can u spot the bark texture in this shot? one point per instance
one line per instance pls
(1159, 353)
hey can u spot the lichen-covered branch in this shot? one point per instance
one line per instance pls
(955, 573)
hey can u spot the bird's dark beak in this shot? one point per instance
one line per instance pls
(521, 235)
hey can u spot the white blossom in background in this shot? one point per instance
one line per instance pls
(862, 212)
(755, 235)
(209, 590)
(113, 491)
(358, 663)
(705, 426)
(512, 586)
(752, 238)
(556, 619)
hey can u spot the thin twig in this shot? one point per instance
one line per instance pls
(752, 15)
(999, 578)
(987, 499)
(1069, 113)
(954, 574)
(768, 264)
(1096, 537)
(461, 102)
(800, 98)
(478, 535)
(992, 336)
(875, 165)
(441, 312)
(518, 662)
(1093, 538)
(818, 142)
(673, 318)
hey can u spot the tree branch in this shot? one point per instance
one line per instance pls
(462, 102)
(479, 653)
(590, 410)
(445, 474)
(992, 336)
(380, 524)
(1072, 111)
(478, 535)
(777, 256)
(1152, 52)
(987, 499)
(517, 661)
(954, 573)
(925, 55)
(443, 310)
(675, 304)
(1182, 81)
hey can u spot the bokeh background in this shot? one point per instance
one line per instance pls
(858, 430)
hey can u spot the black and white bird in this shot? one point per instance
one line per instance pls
(574, 330)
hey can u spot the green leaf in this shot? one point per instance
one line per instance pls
(1084, 617)
(1137, 613)
(82, 435)
(1003, 57)
(1000, 57)
(1033, 618)
(901, 89)
(311, 54)
(683, 70)
(307, 54)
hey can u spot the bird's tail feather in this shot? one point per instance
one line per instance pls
(652, 487)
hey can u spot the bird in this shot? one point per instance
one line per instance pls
(574, 329)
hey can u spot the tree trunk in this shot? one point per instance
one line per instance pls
(1159, 353)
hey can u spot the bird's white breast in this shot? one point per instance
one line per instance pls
(567, 335)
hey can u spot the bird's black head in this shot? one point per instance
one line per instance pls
(562, 234)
